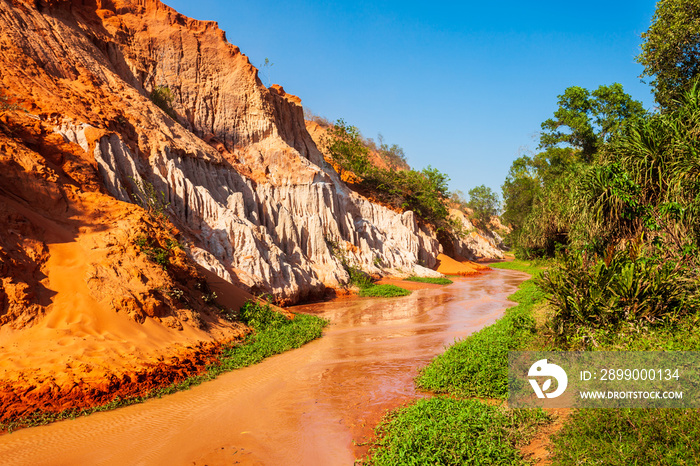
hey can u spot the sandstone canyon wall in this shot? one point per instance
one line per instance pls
(256, 199)
(246, 184)
(97, 295)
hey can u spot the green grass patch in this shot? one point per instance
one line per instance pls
(534, 268)
(276, 338)
(433, 280)
(450, 431)
(273, 334)
(384, 291)
(677, 336)
(634, 436)
(363, 281)
(446, 431)
(478, 365)
(629, 436)
(593, 436)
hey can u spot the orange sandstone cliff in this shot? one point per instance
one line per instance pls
(100, 296)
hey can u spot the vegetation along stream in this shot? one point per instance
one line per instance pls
(314, 405)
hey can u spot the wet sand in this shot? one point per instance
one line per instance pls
(303, 407)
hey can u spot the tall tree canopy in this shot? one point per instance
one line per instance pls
(536, 190)
(484, 202)
(671, 49)
(519, 192)
(585, 120)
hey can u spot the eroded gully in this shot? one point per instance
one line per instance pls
(304, 407)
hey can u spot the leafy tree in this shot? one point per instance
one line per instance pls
(586, 120)
(644, 184)
(484, 202)
(423, 191)
(437, 181)
(553, 162)
(347, 148)
(550, 220)
(671, 49)
(527, 178)
(540, 200)
(519, 191)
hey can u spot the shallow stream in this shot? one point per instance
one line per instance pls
(316, 405)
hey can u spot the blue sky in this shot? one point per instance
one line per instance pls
(461, 86)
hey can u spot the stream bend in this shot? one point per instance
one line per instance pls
(302, 407)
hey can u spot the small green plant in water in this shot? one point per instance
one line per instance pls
(433, 280)
(384, 291)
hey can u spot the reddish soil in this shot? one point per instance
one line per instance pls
(449, 266)
(316, 405)
(18, 401)
(85, 315)
(538, 450)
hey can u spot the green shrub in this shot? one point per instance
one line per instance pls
(347, 148)
(423, 192)
(358, 277)
(160, 256)
(261, 316)
(623, 289)
(163, 97)
(154, 252)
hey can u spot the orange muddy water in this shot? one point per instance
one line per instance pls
(315, 405)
